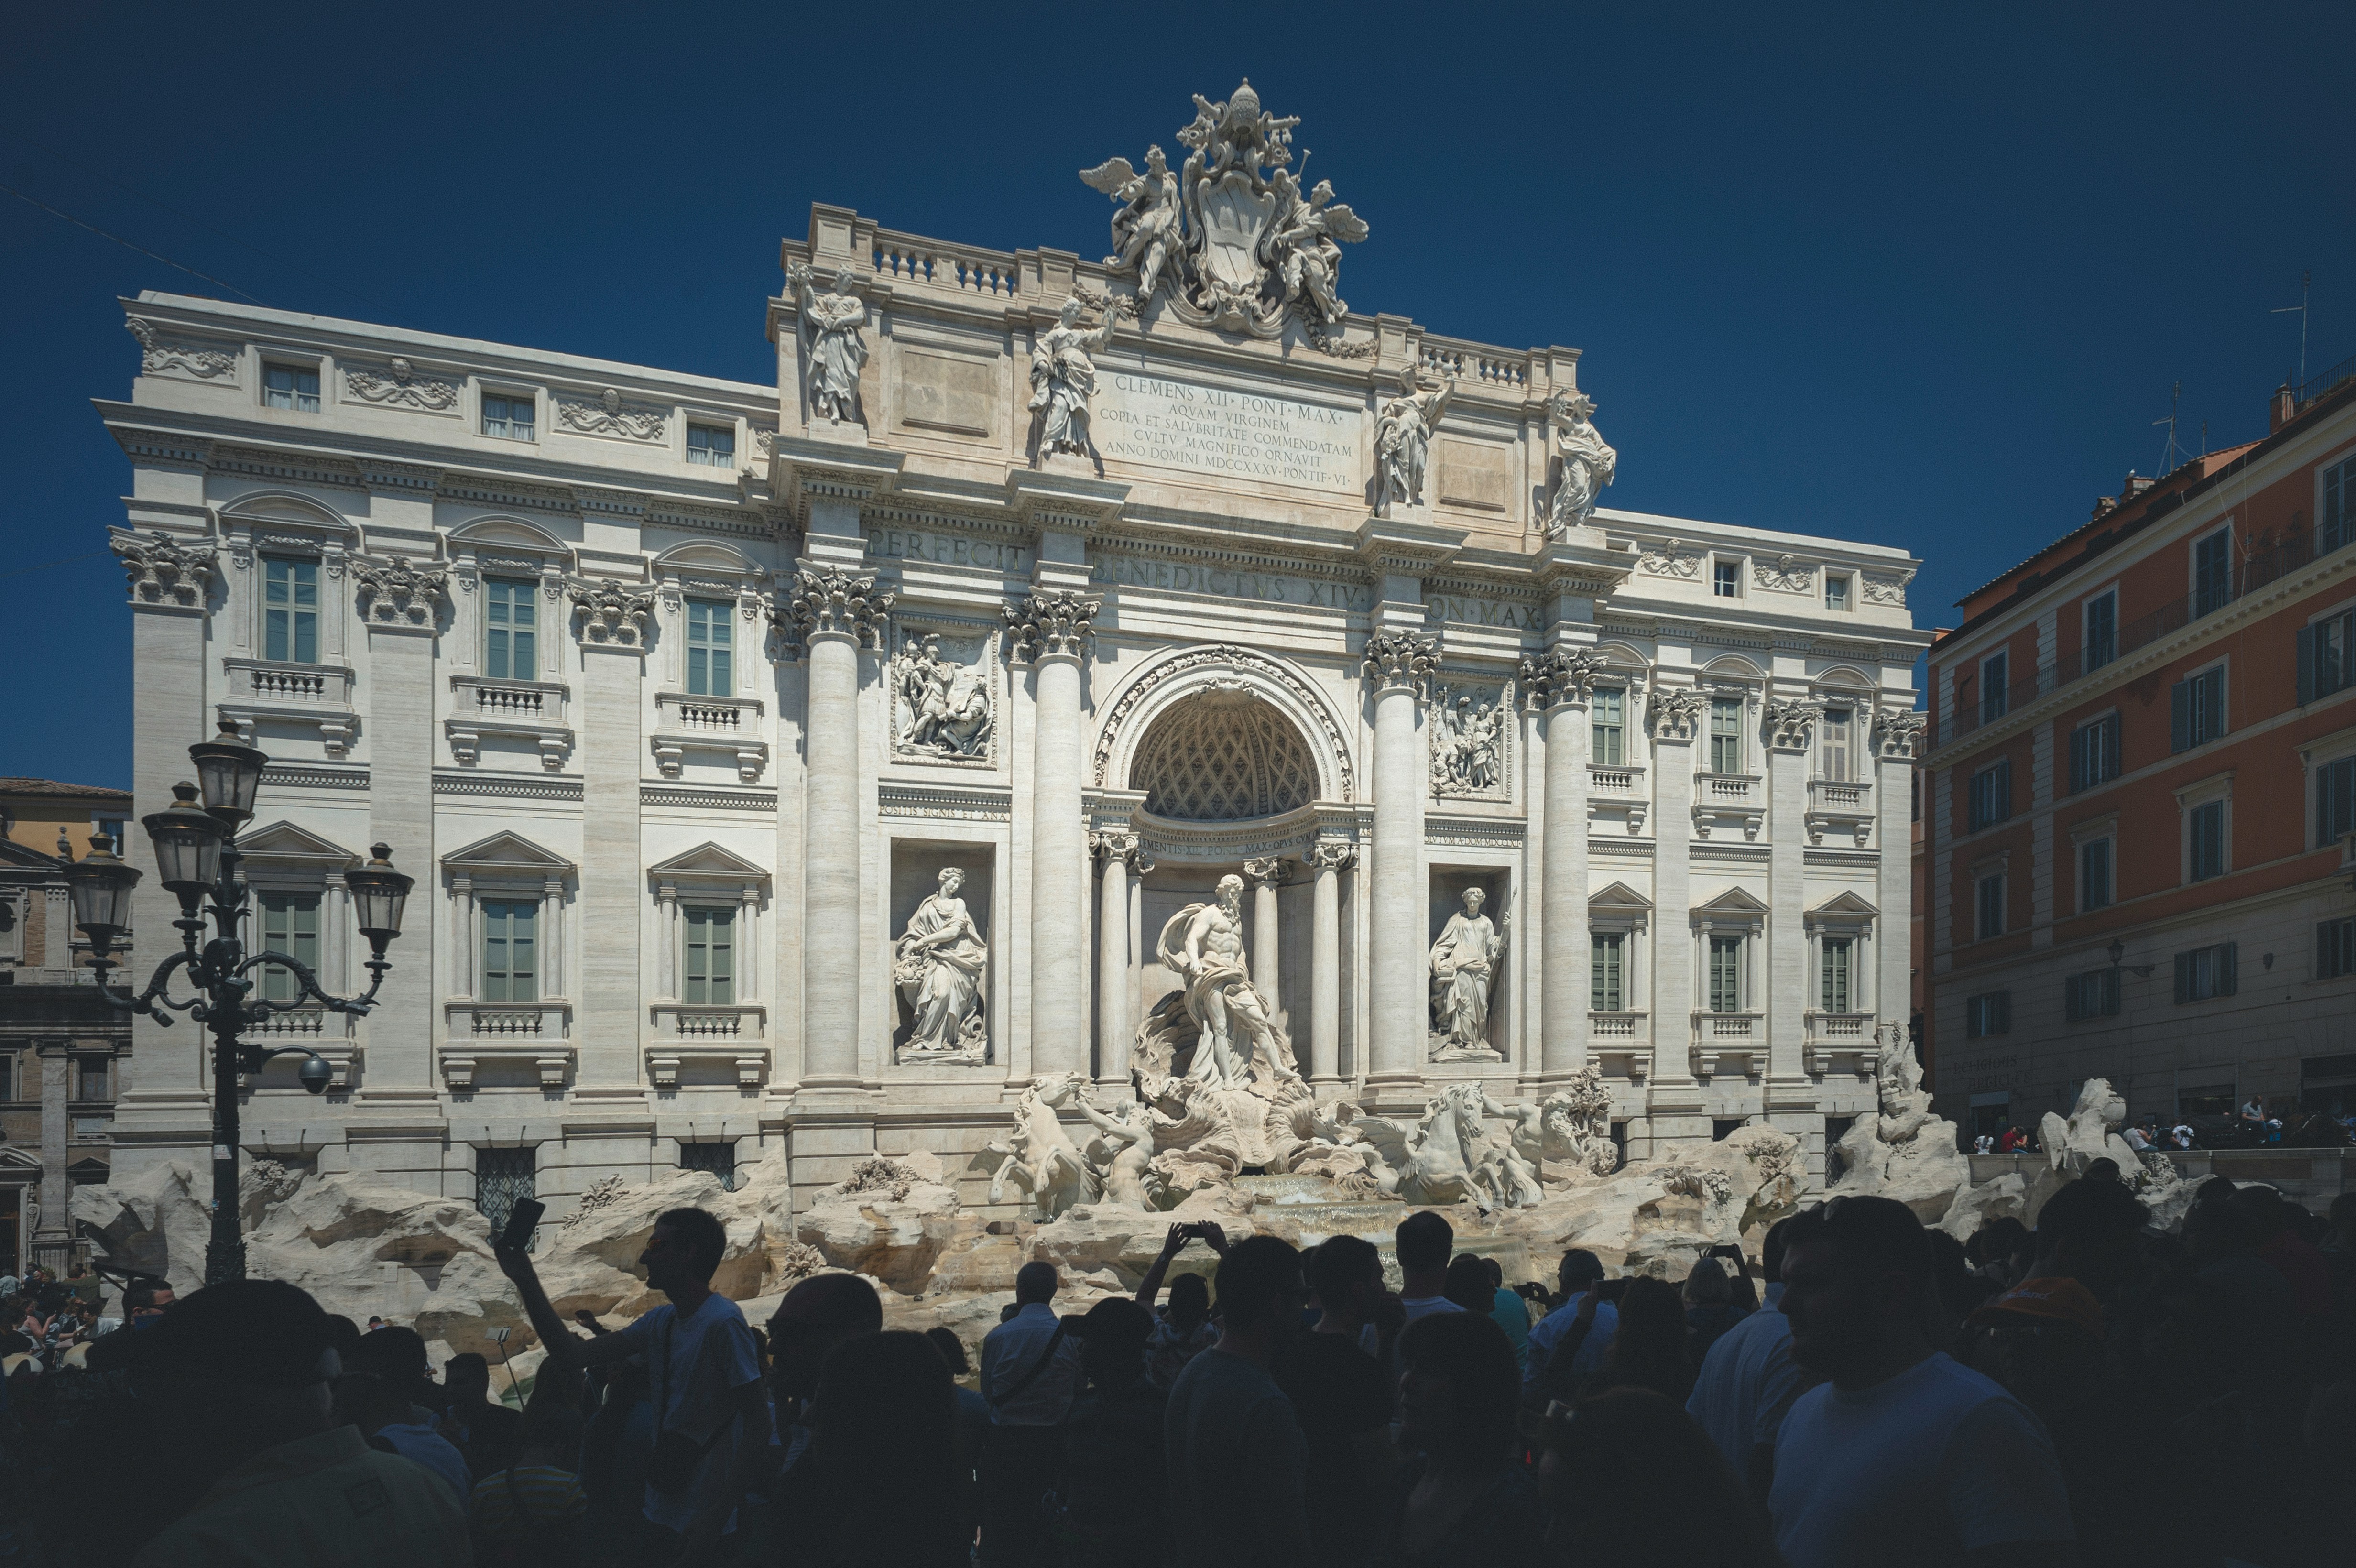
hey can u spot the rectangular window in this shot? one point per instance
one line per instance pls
(2092, 994)
(1838, 764)
(510, 959)
(1987, 1013)
(2335, 801)
(2102, 630)
(711, 956)
(89, 1078)
(1726, 735)
(1726, 579)
(1726, 974)
(290, 387)
(507, 416)
(2212, 573)
(2204, 831)
(290, 924)
(2335, 948)
(290, 611)
(1989, 906)
(2094, 753)
(709, 446)
(1996, 687)
(2095, 881)
(1836, 591)
(718, 1159)
(7, 1075)
(1608, 992)
(709, 629)
(2196, 710)
(1991, 798)
(109, 828)
(511, 612)
(2206, 971)
(1610, 717)
(502, 1176)
(1834, 993)
(2336, 524)
(2327, 656)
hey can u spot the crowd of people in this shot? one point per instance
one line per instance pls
(2256, 1125)
(2092, 1390)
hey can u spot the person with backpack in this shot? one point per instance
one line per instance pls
(529, 1514)
(1030, 1373)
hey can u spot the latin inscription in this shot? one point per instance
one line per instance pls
(946, 550)
(1467, 611)
(1212, 429)
(1227, 582)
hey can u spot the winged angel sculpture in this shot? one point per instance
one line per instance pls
(1233, 233)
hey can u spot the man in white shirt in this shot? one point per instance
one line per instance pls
(1903, 1451)
(1748, 1381)
(1030, 1373)
(1580, 1272)
(703, 1366)
(1425, 1240)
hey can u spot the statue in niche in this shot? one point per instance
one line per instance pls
(1204, 944)
(1146, 231)
(1063, 378)
(937, 965)
(1588, 464)
(1403, 440)
(833, 352)
(1467, 744)
(947, 705)
(1463, 968)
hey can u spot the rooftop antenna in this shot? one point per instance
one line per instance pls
(2304, 278)
(2171, 455)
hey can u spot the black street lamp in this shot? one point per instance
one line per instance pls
(196, 854)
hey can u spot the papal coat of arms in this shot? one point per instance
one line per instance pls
(1239, 242)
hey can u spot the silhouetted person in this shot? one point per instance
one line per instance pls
(1423, 1242)
(484, 1431)
(1630, 1478)
(1235, 1450)
(1745, 1387)
(1343, 1398)
(1116, 1471)
(1030, 1373)
(881, 1482)
(1462, 1497)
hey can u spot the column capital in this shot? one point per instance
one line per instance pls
(1050, 625)
(1562, 677)
(1266, 870)
(828, 601)
(1331, 854)
(162, 571)
(400, 595)
(613, 613)
(1898, 733)
(1118, 846)
(1677, 715)
(1792, 724)
(1401, 659)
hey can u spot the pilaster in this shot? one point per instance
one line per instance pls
(1674, 1102)
(610, 1026)
(1791, 731)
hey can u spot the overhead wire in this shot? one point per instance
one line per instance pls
(127, 245)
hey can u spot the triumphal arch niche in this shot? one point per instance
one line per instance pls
(1315, 617)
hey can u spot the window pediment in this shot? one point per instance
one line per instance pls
(710, 865)
(291, 847)
(507, 855)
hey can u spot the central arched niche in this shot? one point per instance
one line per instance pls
(1223, 756)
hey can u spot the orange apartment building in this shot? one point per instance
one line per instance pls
(2139, 802)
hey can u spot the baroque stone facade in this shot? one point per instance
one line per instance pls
(808, 768)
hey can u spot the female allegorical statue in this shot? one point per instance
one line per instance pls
(938, 965)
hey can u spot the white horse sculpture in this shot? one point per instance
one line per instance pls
(1040, 1156)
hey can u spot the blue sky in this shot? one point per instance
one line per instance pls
(1923, 279)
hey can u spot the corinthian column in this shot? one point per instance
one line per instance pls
(1326, 962)
(835, 613)
(1049, 631)
(1122, 854)
(1398, 666)
(1567, 678)
(1265, 875)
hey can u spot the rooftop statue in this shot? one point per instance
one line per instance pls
(833, 352)
(1588, 464)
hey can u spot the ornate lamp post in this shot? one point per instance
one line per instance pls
(196, 854)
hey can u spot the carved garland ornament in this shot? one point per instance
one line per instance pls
(399, 385)
(1045, 626)
(1785, 573)
(157, 353)
(1887, 589)
(1668, 559)
(609, 415)
(165, 571)
(1227, 656)
(399, 593)
(613, 612)
(834, 602)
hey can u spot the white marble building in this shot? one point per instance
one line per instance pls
(677, 695)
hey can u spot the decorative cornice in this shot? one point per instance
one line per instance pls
(956, 805)
(288, 775)
(688, 798)
(518, 787)
(1050, 625)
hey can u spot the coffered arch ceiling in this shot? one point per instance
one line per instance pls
(1223, 756)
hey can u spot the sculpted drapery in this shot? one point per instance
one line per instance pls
(937, 965)
(1463, 969)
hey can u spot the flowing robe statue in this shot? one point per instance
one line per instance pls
(1062, 379)
(938, 965)
(1403, 440)
(833, 352)
(1463, 968)
(1587, 464)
